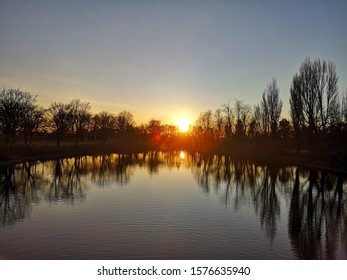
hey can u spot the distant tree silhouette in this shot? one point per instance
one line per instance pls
(61, 117)
(229, 118)
(124, 123)
(204, 124)
(284, 129)
(33, 120)
(14, 106)
(104, 123)
(271, 107)
(154, 127)
(81, 117)
(218, 123)
(327, 91)
(242, 114)
(255, 123)
(296, 110)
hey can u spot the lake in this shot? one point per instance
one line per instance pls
(175, 205)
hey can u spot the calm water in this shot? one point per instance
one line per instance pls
(170, 206)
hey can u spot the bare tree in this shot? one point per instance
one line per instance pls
(81, 117)
(229, 118)
(124, 123)
(296, 109)
(205, 124)
(218, 121)
(154, 127)
(327, 91)
(242, 114)
(284, 129)
(314, 89)
(14, 103)
(271, 107)
(305, 82)
(255, 124)
(33, 120)
(104, 122)
(61, 118)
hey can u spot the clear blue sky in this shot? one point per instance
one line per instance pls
(163, 59)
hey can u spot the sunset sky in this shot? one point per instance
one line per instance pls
(165, 59)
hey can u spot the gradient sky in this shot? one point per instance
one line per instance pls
(164, 59)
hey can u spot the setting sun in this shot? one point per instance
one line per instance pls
(183, 124)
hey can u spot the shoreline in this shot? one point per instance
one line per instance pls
(20, 153)
(23, 153)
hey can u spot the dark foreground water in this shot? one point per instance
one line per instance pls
(170, 206)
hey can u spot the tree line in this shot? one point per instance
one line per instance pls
(318, 115)
(20, 115)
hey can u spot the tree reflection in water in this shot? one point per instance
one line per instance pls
(17, 192)
(66, 182)
(317, 216)
(266, 201)
(108, 169)
(242, 181)
(317, 213)
(317, 220)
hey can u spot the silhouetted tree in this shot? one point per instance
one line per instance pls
(104, 122)
(255, 124)
(81, 117)
(61, 118)
(327, 91)
(271, 107)
(218, 121)
(205, 124)
(303, 86)
(14, 104)
(124, 123)
(242, 112)
(33, 120)
(284, 129)
(229, 118)
(154, 127)
(314, 92)
(296, 110)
